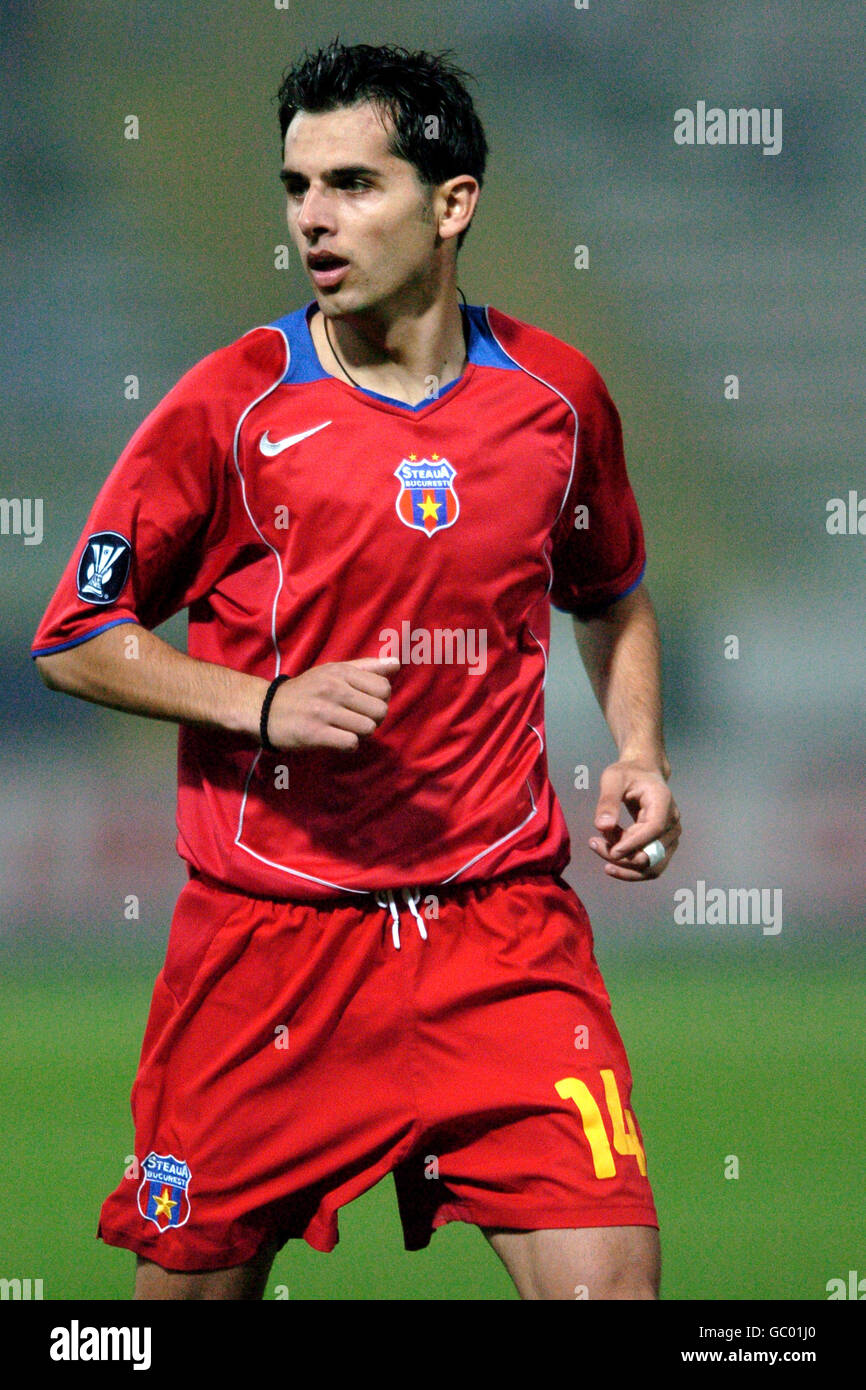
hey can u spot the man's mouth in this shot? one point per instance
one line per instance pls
(326, 268)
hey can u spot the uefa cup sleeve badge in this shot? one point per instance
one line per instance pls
(104, 567)
(427, 501)
(163, 1196)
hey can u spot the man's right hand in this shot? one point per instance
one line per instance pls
(332, 706)
(128, 667)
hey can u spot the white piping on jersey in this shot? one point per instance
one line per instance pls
(276, 554)
(543, 653)
(549, 563)
(550, 387)
(500, 841)
(567, 402)
(565, 399)
(411, 896)
(296, 873)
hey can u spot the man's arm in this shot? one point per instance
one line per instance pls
(621, 653)
(329, 706)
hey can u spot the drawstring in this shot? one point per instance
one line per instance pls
(410, 896)
(412, 900)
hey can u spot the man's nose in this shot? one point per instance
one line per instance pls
(315, 211)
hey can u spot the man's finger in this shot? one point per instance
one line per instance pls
(636, 857)
(611, 851)
(372, 675)
(341, 717)
(607, 809)
(629, 875)
(640, 834)
(654, 818)
(382, 664)
(374, 707)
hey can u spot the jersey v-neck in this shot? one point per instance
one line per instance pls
(377, 395)
(311, 367)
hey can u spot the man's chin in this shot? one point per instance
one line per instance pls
(340, 302)
(333, 299)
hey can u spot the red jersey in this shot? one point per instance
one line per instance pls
(302, 520)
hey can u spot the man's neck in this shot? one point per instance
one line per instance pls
(410, 358)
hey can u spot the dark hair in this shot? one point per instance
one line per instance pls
(411, 87)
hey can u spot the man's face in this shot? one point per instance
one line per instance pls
(348, 197)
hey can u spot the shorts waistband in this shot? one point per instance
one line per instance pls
(369, 899)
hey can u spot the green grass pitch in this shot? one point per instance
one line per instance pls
(758, 1057)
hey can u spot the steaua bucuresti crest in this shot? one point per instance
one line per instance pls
(427, 501)
(163, 1196)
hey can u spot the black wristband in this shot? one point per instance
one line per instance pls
(266, 709)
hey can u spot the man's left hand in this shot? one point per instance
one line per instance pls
(646, 795)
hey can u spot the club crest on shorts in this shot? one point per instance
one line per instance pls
(427, 501)
(163, 1196)
(103, 567)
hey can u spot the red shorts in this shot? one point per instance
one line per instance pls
(295, 1053)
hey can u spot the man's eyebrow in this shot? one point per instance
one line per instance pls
(345, 171)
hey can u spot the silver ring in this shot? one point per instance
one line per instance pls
(655, 852)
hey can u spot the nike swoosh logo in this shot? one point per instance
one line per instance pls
(276, 446)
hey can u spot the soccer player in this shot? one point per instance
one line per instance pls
(375, 965)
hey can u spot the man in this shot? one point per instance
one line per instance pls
(376, 965)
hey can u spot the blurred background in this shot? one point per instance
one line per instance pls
(141, 256)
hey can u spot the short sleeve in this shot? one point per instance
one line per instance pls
(146, 548)
(598, 552)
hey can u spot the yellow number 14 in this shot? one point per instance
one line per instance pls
(625, 1139)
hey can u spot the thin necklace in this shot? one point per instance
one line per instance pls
(352, 379)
